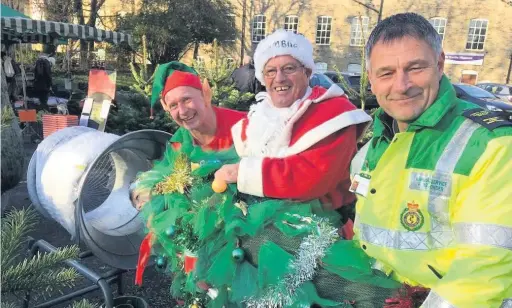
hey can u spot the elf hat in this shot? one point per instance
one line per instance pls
(171, 75)
(283, 43)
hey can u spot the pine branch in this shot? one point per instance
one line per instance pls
(8, 305)
(83, 304)
(39, 271)
(14, 228)
(46, 283)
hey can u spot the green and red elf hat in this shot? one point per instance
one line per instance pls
(171, 75)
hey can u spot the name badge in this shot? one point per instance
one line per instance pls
(360, 184)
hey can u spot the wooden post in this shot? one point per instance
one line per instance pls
(242, 39)
(509, 70)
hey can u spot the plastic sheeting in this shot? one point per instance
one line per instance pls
(56, 168)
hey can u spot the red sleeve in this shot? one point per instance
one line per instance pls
(307, 175)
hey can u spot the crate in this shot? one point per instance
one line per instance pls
(56, 122)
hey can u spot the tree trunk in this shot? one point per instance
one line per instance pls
(196, 50)
(78, 9)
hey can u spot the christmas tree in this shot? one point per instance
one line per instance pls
(40, 274)
(228, 249)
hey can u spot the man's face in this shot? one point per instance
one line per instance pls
(186, 106)
(405, 76)
(286, 80)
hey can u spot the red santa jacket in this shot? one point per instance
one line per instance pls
(313, 159)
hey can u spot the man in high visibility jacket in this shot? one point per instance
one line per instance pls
(435, 183)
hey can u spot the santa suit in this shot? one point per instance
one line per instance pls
(302, 152)
(222, 140)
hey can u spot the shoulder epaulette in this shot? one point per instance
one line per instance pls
(486, 118)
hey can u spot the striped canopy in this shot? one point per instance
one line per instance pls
(15, 29)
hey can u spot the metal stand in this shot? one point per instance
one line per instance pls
(101, 281)
(29, 131)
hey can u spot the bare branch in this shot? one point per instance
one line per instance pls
(368, 6)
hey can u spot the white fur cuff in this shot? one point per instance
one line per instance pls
(250, 176)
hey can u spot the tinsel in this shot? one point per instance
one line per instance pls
(302, 268)
(178, 180)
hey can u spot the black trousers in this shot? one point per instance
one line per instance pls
(43, 95)
(347, 211)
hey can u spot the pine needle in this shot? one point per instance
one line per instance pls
(83, 304)
(15, 227)
(39, 272)
(8, 305)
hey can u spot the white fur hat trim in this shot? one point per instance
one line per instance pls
(281, 43)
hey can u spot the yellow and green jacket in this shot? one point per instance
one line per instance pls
(438, 209)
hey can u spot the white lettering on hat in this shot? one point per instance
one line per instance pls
(281, 43)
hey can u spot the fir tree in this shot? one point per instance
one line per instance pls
(40, 274)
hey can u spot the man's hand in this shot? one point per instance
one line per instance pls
(227, 173)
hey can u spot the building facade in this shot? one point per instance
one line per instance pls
(477, 36)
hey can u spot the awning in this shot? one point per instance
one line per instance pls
(6, 11)
(41, 31)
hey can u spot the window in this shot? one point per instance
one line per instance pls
(291, 23)
(476, 34)
(200, 61)
(359, 30)
(440, 25)
(355, 68)
(258, 28)
(230, 62)
(231, 20)
(323, 30)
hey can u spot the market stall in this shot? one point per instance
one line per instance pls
(18, 29)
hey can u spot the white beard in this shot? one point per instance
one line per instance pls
(267, 129)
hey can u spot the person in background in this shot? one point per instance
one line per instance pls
(43, 76)
(244, 78)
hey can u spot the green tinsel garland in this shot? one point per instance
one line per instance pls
(216, 226)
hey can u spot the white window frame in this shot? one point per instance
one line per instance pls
(232, 17)
(475, 31)
(200, 61)
(439, 23)
(259, 25)
(323, 30)
(291, 23)
(359, 30)
(469, 72)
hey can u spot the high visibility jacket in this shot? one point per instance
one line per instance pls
(437, 211)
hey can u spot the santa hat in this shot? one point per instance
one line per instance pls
(171, 75)
(282, 43)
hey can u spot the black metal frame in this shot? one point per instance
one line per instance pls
(101, 281)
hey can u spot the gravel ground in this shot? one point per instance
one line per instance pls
(155, 289)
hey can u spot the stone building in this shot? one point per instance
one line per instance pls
(477, 35)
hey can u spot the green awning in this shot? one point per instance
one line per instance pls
(10, 12)
(41, 31)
